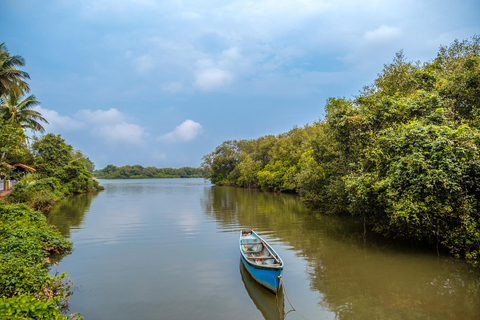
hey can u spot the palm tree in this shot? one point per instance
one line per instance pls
(12, 80)
(19, 112)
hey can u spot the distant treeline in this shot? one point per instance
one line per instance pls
(403, 156)
(139, 172)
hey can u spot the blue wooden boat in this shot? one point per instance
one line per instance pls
(260, 260)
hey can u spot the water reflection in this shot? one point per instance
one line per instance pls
(270, 305)
(376, 280)
(169, 249)
(70, 212)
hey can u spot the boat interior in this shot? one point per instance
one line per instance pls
(257, 251)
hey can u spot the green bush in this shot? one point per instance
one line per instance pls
(77, 178)
(19, 275)
(27, 307)
(26, 241)
(39, 195)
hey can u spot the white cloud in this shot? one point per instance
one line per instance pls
(230, 55)
(111, 126)
(108, 125)
(143, 64)
(57, 121)
(382, 34)
(212, 78)
(124, 133)
(111, 115)
(213, 74)
(186, 131)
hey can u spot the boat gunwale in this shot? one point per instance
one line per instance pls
(266, 244)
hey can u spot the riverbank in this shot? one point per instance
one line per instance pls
(27, 290)
(44, 193)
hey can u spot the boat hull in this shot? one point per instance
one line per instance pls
(267, 277)
(268, 274)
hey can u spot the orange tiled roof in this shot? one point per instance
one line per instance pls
(24, 167)
(10, 166)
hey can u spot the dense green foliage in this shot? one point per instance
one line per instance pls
(26, 289)
(56, 158)
(13, 146)
(26, 307)
(18, 110)
(403, 156)
(139, 172)
(58, 174)
(26, 242)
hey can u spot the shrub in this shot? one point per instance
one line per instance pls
(40, 195)
(25, 241)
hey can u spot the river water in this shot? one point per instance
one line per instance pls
(168, 249)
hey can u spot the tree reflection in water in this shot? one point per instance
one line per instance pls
(357, 280)
(70, 212)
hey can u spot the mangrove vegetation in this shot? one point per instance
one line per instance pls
(139, 172)
(403, 156)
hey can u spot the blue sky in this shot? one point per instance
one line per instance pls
(162, 83)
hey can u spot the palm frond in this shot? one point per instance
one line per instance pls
(17, 111)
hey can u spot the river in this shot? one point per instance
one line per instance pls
(168, 249)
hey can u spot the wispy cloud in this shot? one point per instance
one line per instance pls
(213, 78)
(120, 133)
(212, 74)
(382, 34)
(112, 127)
(187, 131)
(102, 117)
(143, 64)
(58, 122)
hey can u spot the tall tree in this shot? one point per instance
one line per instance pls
(12, 80)
(18, 112)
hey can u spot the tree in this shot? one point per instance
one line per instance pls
(220, 163)
(56, 159)
(12, 80)
(52, 154)
(12, 144)
(18, 112)
(78, 155)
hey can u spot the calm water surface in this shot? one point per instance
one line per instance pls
(167, 249)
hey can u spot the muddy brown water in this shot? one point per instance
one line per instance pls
(168, 249)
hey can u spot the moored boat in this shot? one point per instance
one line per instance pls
(260, 260)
